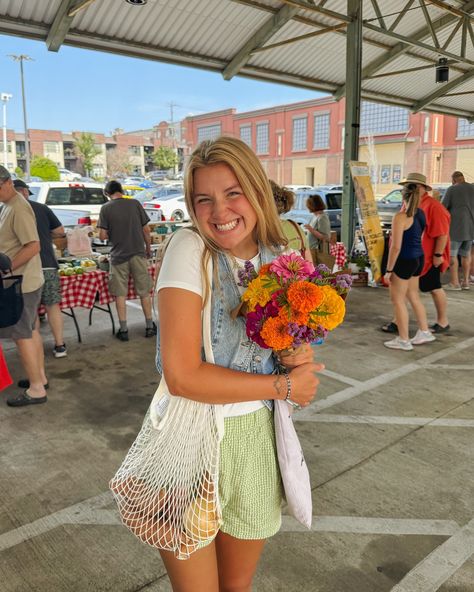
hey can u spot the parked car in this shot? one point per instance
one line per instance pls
(72, 218)
(163, 191)
(299, 187)
(170, 207)
(389, 205)
(67, 175)
(131, 190)
(158, 175)
(70, 196)
(332, 198)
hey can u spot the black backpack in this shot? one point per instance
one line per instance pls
(11, 296)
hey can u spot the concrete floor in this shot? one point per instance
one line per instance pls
(389, 443)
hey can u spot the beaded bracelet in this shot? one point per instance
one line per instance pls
(288, 391)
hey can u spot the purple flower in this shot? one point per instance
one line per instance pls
(246, 275)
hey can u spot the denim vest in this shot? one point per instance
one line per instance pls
(230, 344)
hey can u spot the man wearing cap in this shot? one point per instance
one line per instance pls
(435, 242)
(459, 201)
(19, 240)
(48, 227)
(124, 223)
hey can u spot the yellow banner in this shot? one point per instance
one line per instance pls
(371, 228)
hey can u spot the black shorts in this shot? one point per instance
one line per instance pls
(431, 280)
(407, 268)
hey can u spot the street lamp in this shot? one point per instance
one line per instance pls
(22, 58)
(5, 97)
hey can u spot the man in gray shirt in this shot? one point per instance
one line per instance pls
(459, 201)
(124, 223)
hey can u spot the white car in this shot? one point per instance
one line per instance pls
(61, 195)
(67, 175)
(171, 207)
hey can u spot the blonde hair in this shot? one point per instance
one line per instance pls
(255, 186)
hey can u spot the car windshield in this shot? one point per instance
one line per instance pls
(158, 193)
(393, 197)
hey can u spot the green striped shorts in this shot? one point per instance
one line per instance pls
(250, 487)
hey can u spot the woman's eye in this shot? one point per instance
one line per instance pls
(234, 193)
(201, 200)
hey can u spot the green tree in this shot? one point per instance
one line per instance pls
(165, 158)
(86, 150)
(19, 172)
(45, 168)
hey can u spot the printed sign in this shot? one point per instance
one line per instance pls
(371, 227)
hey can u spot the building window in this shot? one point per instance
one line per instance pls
(426, 131)
(300, 133)
(209, 132)
(134, 150)
(376, 118)
(396, 173)
(246, 134)
(321, 131)
(465, 129)
(9, 147)
(262, 138)
(51, 147)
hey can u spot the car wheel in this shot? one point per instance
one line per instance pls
(177, 216)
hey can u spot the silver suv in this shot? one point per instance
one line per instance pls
(331, 196)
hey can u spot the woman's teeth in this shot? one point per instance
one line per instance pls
(228, 226)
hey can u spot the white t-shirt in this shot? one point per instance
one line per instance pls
(181, 268)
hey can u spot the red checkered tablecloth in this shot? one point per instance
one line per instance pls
(81, 290)
(338, 250)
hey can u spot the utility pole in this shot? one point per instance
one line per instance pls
(5, 97)
(22, 58)
(171, 105)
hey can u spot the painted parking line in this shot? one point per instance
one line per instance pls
(92, 512)
(364, 525)
(453, 366)
(340, 377)
(431, 573)
(389, 420)
(382, 379)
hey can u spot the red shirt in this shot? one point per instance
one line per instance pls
(437, 224)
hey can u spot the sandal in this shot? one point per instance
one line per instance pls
(24, 383)
(25, 399)
(389, 327)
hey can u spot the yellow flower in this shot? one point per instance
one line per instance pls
(256, 294)
(334, 306)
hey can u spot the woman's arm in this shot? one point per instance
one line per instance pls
(398, 226)
(188, 376)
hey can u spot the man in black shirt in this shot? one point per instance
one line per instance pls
(48, 227)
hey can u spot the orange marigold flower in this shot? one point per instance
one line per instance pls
(264, 269)
(294, 316)
(275, 334)
(304, 296)
(332, 304)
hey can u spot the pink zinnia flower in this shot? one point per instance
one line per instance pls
(292, 266)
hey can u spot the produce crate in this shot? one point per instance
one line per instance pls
(360, 279)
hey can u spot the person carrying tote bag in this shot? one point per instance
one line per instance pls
(234, 221)
(319, 230)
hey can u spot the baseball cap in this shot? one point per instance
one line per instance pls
(4, 173)
(19, 183)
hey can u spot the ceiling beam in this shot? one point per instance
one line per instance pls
(65, 14)
(258, 39)
(403, 48)
(443, 90)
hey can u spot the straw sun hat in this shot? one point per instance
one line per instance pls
(417, 178)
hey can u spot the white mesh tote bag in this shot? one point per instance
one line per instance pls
(167, 487)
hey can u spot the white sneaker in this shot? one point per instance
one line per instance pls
(422, 337)
(452, 287)
(397, 343)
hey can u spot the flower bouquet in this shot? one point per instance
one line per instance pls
(290, 302)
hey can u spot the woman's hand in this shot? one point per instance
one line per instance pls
(387, 277)
(292, 359)
(304, 383)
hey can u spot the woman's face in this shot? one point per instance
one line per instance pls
(223, 212)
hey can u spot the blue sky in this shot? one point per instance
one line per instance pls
(76, 89)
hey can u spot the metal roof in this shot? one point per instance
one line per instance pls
(295, 42)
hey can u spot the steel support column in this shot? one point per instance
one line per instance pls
(352, 119)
